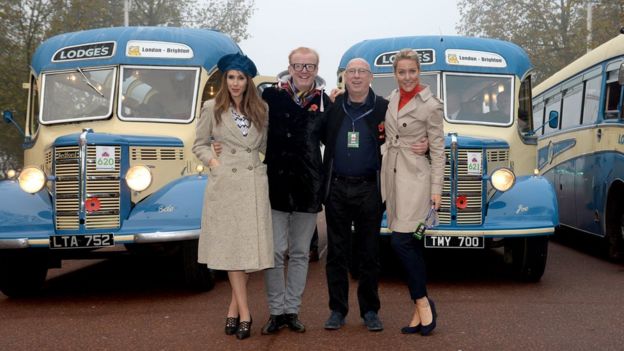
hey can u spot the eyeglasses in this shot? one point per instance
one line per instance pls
(309, 67)
(360, 71)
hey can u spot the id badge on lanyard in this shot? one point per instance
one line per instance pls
(353, 139)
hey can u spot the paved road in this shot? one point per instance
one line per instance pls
(137, 304)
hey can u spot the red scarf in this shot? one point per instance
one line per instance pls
(406, 96)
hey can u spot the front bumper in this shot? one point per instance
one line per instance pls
(139, 238)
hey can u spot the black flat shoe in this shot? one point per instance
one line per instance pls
(411, 330)
(244, 330)
(231, 325)
(427, 329)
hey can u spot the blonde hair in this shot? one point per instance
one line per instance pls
(406, 54)
(252, 105)
(303, 50)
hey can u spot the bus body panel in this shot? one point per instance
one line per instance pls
(584, 156)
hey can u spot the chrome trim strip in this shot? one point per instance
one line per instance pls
(483, 232)
(158, 237)
(14, 243)
(82, 142)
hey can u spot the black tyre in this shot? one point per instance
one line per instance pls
(197, 276)
(22, 273)
(528, 257)
(615, 235)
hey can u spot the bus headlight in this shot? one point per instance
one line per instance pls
(32, 179)
(138, 178)
(503, 179)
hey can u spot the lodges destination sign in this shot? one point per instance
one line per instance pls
(85, 52)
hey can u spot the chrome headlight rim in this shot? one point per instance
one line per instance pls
(138, 178)
(32, 179)
(503, 179)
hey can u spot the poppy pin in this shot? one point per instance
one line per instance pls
(313, 108)
(461, 202)
(93, 204)
(381, 128)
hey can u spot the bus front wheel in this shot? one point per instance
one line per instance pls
(615, 235)
(197, 276)
(528, 257)
(22, 273)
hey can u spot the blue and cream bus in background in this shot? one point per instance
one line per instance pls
(108, 134)
(491, 196)
(581, 150)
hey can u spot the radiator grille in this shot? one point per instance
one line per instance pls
(105, 185)
(470, 186)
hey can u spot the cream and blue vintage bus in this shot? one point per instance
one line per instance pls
(108, 133)
(581, 150)
(491, 196)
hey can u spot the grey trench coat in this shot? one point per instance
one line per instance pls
(236, 231)
(408, 179)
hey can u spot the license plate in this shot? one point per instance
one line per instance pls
(81, 241)
(464, 242)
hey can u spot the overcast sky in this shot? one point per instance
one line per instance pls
(332, 26)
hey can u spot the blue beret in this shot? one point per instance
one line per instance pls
(237, 62)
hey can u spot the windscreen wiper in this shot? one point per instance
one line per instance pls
(88, 81)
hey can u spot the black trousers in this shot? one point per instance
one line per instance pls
(358, 202)
(410, 252)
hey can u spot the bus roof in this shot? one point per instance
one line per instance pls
(603, 53)
(148, 46)
(444, 50)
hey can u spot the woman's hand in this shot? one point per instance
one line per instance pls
(436, 200)
(213, 163)
(335, 93)
(421, 147)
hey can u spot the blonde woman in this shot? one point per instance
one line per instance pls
(411, 184)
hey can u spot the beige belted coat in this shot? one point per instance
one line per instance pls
(236, 231)
(408, 179)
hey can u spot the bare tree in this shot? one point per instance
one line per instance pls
(553, 32)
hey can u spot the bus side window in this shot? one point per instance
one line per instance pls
(552, 104)
(538, 115)
(211, 87)
(525, 115)
(613, 94)
(591, 103)
(571, 112)
(34, 106)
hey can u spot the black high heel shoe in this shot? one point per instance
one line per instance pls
(231, 325)
(427, 329)
(244, 329)
(411, 330)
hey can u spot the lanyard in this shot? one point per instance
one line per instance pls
(357, 118)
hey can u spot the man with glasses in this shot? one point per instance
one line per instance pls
(294, 169)
(353, 137)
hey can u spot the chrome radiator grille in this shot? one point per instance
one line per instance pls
(461, 184)
(104, 185)
(470, 186)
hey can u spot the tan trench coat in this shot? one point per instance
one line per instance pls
(236, 231)
(408, 179)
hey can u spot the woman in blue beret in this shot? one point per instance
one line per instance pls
(236, 234)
